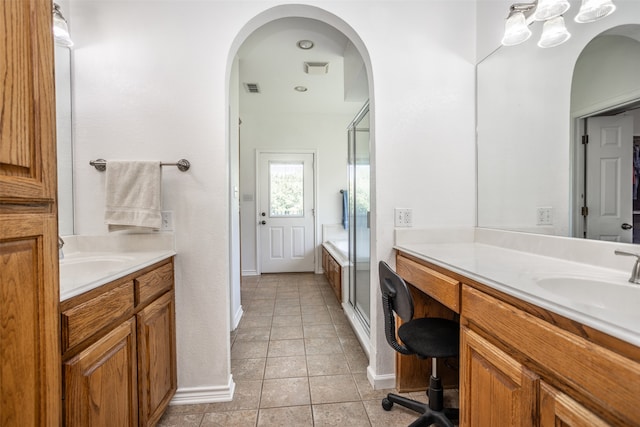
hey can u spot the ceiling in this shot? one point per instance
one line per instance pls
(271, 58)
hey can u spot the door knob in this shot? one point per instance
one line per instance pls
(263, 222)
(626, 226)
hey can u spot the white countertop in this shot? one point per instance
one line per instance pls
(519, 273)
(92, 261)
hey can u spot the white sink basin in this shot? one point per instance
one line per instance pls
(82, 266)
(96, 261)
(595, 294)
(83, 271)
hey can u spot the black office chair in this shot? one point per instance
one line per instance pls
(426, 338)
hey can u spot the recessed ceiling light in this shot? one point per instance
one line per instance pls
(300, 88)
(305, 44)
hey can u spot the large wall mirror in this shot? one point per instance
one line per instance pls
(64, 140)
(533, 106)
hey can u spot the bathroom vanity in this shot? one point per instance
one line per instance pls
(333, 272)
(525, 357)
(118, 338)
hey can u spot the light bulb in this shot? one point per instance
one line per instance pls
(592, 10)
(547, 9)
(554, 33)
(516, 30)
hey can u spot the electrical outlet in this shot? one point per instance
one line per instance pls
(544, 216)
(403, 217)
(167, 221)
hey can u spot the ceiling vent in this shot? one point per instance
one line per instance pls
(252, 87)
(316, 67)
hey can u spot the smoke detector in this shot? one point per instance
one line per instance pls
(305, 44)
(316, 67)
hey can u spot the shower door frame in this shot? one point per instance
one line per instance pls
(354, 222)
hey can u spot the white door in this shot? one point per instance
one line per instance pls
(286, 212)
(610, 178)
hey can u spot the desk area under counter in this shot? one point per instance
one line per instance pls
(525, 357)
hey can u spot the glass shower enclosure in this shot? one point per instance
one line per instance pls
(359, 215)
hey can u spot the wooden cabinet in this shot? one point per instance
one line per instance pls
(521, 365)
(29, 285)
(584, 382)
(495, 389)
(558, 409)
(101, 387)
(119, 350)
(333, 272)
(156, 358)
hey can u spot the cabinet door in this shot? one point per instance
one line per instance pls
(495, 389)
(29, 294)
(27, 141)
(100, 382)
(29, 325)
(156, 358)
(559, 410)
(325, 262)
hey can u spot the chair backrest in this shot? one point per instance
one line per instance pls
(397, 299)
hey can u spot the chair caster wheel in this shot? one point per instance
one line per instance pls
(387, 404)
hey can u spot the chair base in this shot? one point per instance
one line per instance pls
(432, 413)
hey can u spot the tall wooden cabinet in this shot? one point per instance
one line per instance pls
(29, 285)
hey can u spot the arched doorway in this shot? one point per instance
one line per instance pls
(265, 117)
(605, 108)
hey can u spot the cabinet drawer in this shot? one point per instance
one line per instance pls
(153, 283)
(87, 318)
(595, 373)
(438, 286)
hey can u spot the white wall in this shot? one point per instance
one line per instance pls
(325, 133)
(152, 83)
(490, 19)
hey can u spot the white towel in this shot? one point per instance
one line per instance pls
(133, 195)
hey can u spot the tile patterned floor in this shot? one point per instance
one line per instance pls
(296, 362)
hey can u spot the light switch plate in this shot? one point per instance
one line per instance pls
(167, 221)
(544, 216)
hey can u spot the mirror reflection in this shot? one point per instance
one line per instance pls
(64, 140)
(533, 105)
(605, 101)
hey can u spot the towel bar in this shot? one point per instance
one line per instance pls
(182, 164)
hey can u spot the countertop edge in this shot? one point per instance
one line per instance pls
(603, 326)
(78, 290)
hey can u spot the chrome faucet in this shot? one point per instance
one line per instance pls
(60, 245)
(635, 272)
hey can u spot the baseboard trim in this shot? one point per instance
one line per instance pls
(361, 333)
(236, 318)
(381, 382)
(195, 395)
(250, 273)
